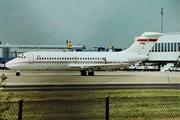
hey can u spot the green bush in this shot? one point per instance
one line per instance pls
(3, 98)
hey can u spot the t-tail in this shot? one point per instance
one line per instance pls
(144, 43)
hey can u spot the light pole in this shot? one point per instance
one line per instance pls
(162, 20)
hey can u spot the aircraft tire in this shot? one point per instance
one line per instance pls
(83, 73)
(18, 73)
(91, 73)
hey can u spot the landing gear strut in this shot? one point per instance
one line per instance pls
(84, 73)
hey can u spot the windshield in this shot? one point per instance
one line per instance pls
(21, 56)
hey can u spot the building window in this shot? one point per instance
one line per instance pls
(152, 50)
(175, 47)
(165, 44)
(172, 47)
(168, 47)
(178, 46)
(162, 49)
(155, 47)
(159, 47)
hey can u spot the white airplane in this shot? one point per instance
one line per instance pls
(85, 61)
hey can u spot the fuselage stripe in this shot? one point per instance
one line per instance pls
(147, 40)
(56, 62)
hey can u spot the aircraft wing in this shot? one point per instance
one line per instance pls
(96, 66)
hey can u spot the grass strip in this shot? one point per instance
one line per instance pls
(124, 104)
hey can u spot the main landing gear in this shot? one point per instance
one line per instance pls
(84, 73)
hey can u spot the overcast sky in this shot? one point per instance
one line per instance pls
(87, 22)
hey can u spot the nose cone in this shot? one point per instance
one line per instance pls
(10, 65)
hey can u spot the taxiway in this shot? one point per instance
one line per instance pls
(102, 77)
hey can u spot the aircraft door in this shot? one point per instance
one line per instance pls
(105, 61)
(30, 58)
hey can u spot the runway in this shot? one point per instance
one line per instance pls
(102, 77)
(103, 80)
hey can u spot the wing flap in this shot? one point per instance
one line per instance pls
(95, 66)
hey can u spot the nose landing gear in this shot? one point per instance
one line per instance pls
(18, 73)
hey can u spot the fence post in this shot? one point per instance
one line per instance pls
(107, 107)
(20, 109)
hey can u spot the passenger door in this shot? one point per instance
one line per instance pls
(30, 58)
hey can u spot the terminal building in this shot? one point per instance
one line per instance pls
(166, 50)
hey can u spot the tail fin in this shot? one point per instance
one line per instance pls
(144, 43)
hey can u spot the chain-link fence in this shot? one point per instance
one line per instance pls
(114, 108)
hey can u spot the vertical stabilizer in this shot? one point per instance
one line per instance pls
(144, 43)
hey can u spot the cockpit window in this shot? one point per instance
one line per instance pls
(21, 56)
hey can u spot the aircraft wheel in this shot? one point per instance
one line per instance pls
(91, 73)
(18, 73)
(83, 73)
